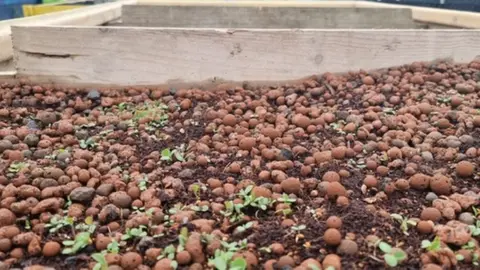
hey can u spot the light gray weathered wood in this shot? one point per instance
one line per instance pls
(265, 17)
(150, 56)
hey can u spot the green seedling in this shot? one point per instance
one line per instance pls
(182, 239)
(176, 208)
(203, 208)
(285, 211)
(141, 210)
(196, 190)
(233, 211)
(169, 252)
(392, 256)
(113, 247)
(470, 245)
(143, 184)
(56, 223)
(134, 233)
(28, 225)
(87, 226)
(101, 261)
(244, 227)
(434, 245)
(235, 246)
(80, 242)
(459, 257)
(17, 166)
(475, 229)
(476, 212)
(337, 127)
(444, 100)
(155, 111)
(68, 203)
(266, 249)
(298, 228)
(286, 199)
(405, 223)
(251, 200)
(475, 259)
(168, 155)
(88, 144)
(389, 111)
(223, 260)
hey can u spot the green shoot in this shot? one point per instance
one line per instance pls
(286, 199)
(101, 261)
(87, 226)
(203, 208)
(244, 227)
(223, 260)
(168, 154)
(196, 190)
(392, 256)
(405, 223)
(169, 252)
(113, 247)
(88, 144)
(17, 166)
(470, 245)
(134, 233)
(475, 229)
(298, 228)
(435, 245)
(56, 223)
(80, 242)
(143, 184)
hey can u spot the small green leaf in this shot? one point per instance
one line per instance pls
(390, 260)
(412, 222)
(238, 264)
(68, 242)
(67, 251)
(386, 248)
(397, 217)
(400, 255)
(426, 244)
(174, 264)
(459, 257)
(219, 263)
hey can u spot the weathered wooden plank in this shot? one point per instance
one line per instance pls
(453, 18)
(93, 15)
(150, 56)
(265, 17)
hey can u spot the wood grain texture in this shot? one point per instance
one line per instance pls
(152, 56)
(265, 17)
(454, 18)
(93, 15)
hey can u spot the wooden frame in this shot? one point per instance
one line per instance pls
(90, 15)
(266, 17)
(156, 56)
(126, 56)
(452, 18)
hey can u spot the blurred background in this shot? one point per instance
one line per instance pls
(10, 9)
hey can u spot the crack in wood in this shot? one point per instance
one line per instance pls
(50, 55)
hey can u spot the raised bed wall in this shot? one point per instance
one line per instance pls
(265, 17)
(148, 56)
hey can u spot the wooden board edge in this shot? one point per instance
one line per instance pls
(266, 17)
(455, 18)
(89, 15)
(210, 85)
(250, 3)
